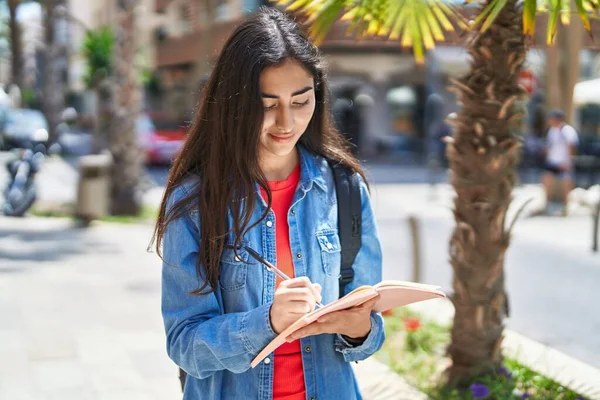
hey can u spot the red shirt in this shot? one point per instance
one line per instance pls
(288, 379)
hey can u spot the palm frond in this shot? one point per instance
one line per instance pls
(559, 11)
(419, 24)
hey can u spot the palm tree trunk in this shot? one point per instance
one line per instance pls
(106, 109)
(126, 170)
(562, 66)
(53, 101)
(16, 45)
(483, 154)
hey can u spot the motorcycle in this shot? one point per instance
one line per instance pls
(21, 192)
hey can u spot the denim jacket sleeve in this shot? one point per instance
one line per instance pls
(368, 271)
(201, 339)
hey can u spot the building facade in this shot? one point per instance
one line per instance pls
(379, 92)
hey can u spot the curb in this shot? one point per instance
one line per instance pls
(566, 370)
(378, 382)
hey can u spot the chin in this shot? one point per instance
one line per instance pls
(281, 150)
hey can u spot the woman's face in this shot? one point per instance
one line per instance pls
(288, 97)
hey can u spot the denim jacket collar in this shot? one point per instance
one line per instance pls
(310, 172)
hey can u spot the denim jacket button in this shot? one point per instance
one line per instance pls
(267, 360)
(299, 255)
(293, 212)
(312, 397)
(307, 349)
(329, 246)
(269, 223)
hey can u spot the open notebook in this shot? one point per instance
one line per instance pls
(392, 294)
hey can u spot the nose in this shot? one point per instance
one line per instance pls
(285, 120)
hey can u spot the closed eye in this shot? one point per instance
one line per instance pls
(301, 104)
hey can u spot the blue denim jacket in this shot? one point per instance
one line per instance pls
(215, 337)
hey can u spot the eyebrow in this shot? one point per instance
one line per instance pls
(296, 93)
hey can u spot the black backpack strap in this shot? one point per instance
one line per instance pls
(347, 187)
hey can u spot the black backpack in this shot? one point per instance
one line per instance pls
(347, 187)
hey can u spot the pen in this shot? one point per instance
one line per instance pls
(270, 266)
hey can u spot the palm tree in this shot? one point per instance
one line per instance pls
(126, 170)
(16, 46)
(483, 151)
(98, 50)
(53, 99)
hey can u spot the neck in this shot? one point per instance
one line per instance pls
(279, 168)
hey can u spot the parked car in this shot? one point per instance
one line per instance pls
(24, 128)
(160, 138)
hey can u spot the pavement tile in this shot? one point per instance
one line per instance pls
(56, 375)
(115, 378)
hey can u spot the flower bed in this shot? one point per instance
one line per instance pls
(416, 349)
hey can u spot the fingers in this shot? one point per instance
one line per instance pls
(303, 282)
(368, 305)
(364, 308)
(296, 300)
(298, 294)
(299, 307)
(310, 330)
(316, 288)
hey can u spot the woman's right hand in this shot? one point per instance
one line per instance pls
(293, 299)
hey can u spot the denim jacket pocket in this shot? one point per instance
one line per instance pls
(234, 269)
(331, 256)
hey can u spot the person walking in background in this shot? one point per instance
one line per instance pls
(561, 146)
(255, 171)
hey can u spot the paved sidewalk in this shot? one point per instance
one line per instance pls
(81, 317)
(80, 314)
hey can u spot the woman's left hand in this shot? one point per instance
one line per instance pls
(354, 323)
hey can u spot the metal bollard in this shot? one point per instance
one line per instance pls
(416, 248)
(596, 217)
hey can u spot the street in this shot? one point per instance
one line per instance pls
(551, 274)
(551, 282)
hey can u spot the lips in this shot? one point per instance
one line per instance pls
(281, 139)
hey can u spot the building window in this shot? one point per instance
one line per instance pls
(404, 141)
(184, 19)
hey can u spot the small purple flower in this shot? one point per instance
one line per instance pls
(479, 390)
(505, 372)
(525, 395)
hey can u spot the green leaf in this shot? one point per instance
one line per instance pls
(553, 15)
(529, 12)
(583, 14)
(418, 23)
(490, 14)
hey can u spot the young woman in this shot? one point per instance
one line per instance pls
(254, 172)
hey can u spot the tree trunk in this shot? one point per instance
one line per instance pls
(553, 79)
(483, 154)
(53, 101)
(562, 66)
(203, 63)
(16, 45)
(105, 111)
(126, 170)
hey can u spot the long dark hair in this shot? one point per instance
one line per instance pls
(221, 149)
